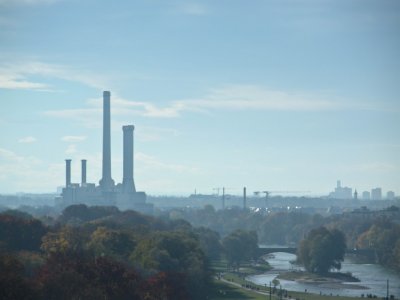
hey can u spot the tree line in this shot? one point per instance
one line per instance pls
(375, 230)
(103, 253)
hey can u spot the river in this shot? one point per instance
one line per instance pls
(372, 276)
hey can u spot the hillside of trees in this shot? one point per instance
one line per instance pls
(103, 253)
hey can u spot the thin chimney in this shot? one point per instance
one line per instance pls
(127, 181)
(83, 181)
(67, 173)
(106, 182)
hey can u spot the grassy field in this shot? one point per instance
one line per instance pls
(223, 290)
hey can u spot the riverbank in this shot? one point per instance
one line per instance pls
(233, 285)
(229, 284)
(331, 280)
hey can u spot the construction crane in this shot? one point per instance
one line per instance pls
(267, 193)
(217, 189)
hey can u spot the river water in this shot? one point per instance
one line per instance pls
(372, 277)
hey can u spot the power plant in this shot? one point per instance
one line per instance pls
(122, 195)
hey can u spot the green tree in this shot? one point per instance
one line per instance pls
(322, 250)
(20, 233)
(240, 246)
(209, 242)
(13, 284)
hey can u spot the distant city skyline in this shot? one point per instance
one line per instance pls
(276, 95)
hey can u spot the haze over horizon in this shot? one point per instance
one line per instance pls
(276, 95)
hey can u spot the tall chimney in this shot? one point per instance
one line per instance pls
(106, 181)
(127, 181)
(244, 198)
(83, 181)
(67, 173)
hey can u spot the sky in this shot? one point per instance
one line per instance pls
(284, 95)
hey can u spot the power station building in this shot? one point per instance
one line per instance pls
(122, 195)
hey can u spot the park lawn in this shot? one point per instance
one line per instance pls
(223, 290)
(310, 296)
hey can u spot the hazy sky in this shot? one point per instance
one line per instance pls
(278, 95)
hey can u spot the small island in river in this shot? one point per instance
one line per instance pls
(334, 280)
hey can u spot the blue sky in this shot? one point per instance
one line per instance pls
(272, 95)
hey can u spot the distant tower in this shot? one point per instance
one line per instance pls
(223, 198)
(244, 198)
(106, 182)
(338, 184)
(127, 181)
(355, 195)
(67, 173)
(83, 179)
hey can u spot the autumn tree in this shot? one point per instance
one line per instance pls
(80, 277)
(384, 238)
(322, 250)
(109, 242)
(175, 252)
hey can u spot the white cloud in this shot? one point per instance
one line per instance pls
(9, 156)
(18, 81)
(90, 117)
(149, 134)
(19, 76)
(27, 173)
(251, 97)
(234, 97)
(27, 140)
(150, 162)
(73, 138)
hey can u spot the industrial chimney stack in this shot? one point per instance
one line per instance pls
(106, 182)
(83, 181)
(127, 181)
(67, 173)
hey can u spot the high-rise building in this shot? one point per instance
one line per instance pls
(366, 195)
(376, 194)
(341, 192)
(390, 195)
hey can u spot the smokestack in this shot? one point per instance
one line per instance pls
(127, 181)
(223, 198)
(83, 181)
(106, 181)
(244, 198)
(67, 173)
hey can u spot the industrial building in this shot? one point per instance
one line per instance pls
(123, 195)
